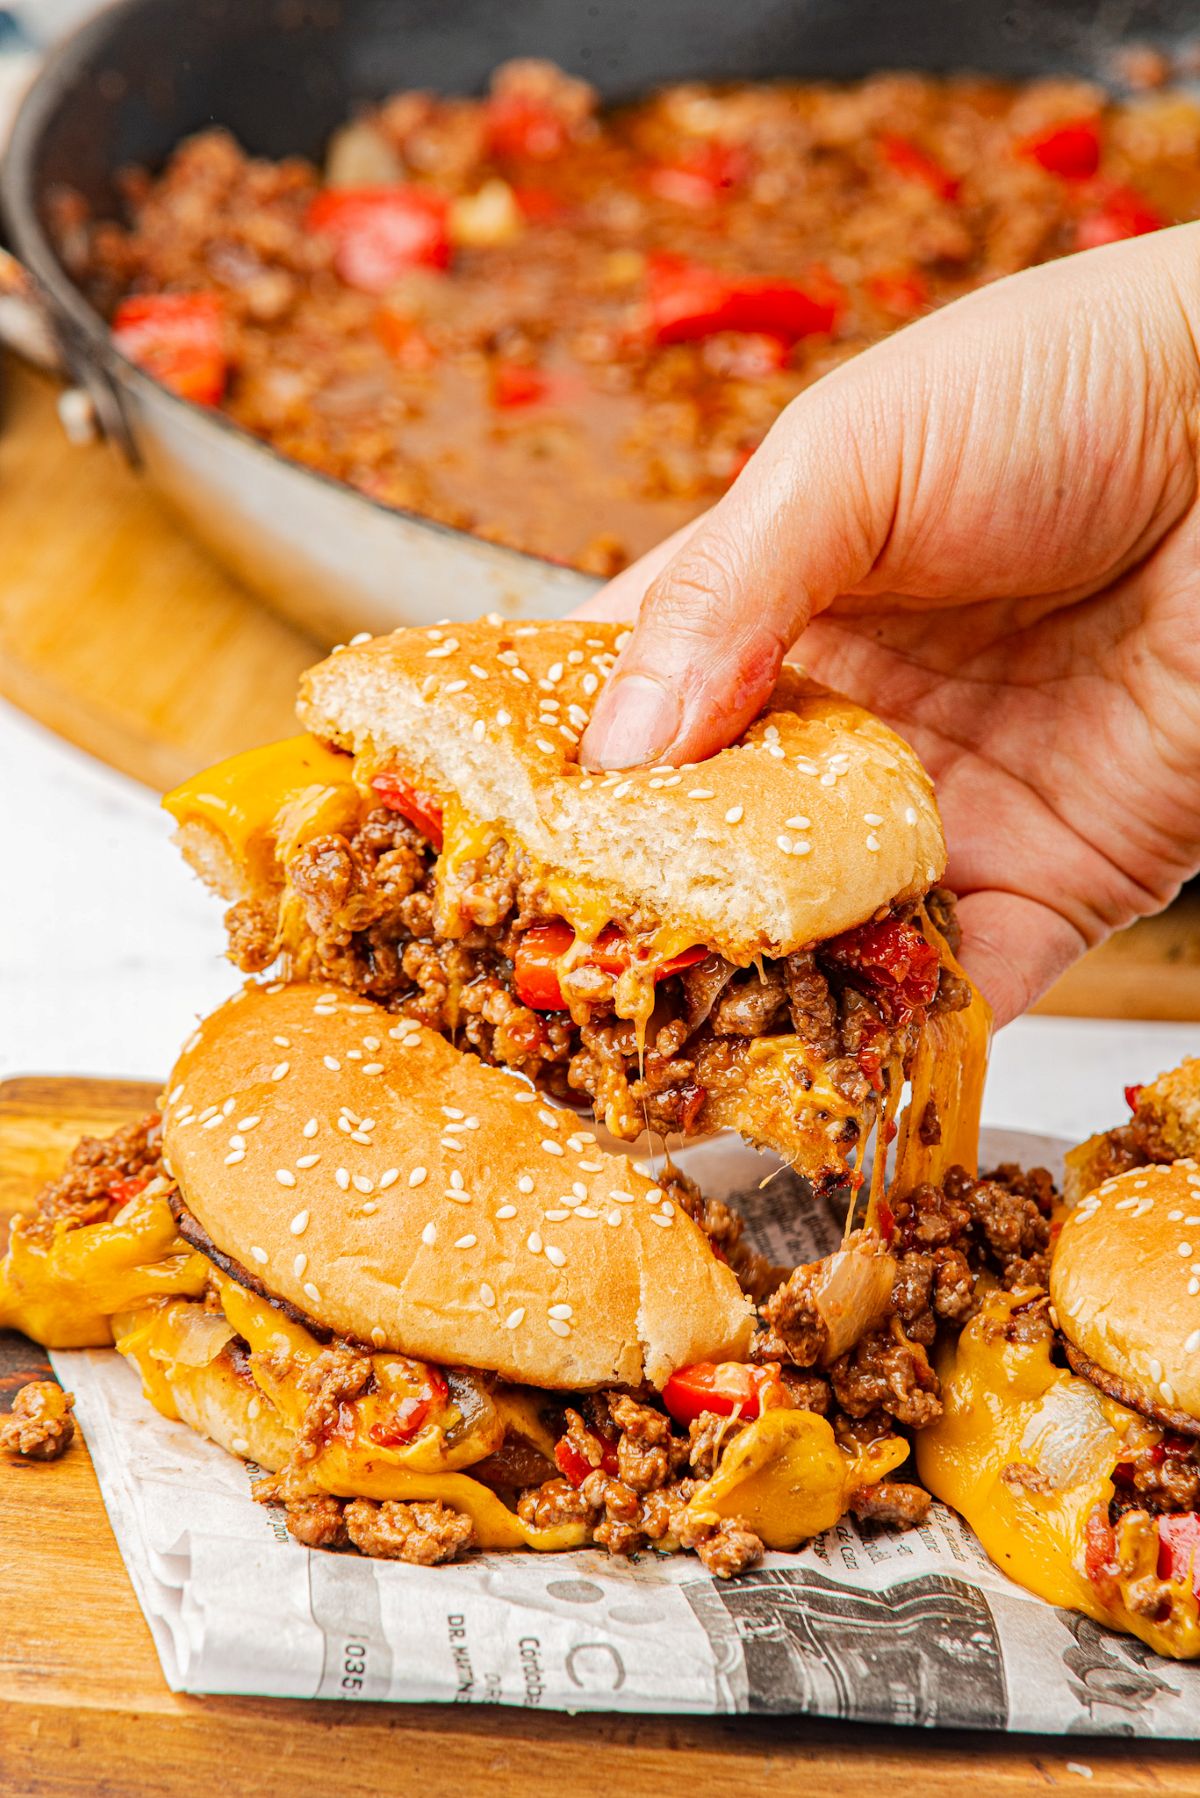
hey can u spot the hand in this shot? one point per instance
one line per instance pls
(987, 530)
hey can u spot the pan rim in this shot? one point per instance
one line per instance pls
(72, 57)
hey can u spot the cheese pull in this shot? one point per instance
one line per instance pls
(63, 1289)
(1026, 1452)
(788, 1480)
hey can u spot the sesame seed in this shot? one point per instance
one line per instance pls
(668, 1210)
(299, 1223)
(307, 1161)
(519, 674)
(591, 1167)
(279, 1070)
(579, 1189)
(533, 1242)
(227, 1108)
(450, 1142)
(799, 823)
(281, 1042)
(701, 793)
(210, 1111)
(622, 787)
(546, 748)
(873, 843)
(555, 1256)
(370, 1042)
(479, 730)
(455, 686)
(239, 1445)
(343, 1178)
(285, 1176)
(1185, 1249)
(735, 814)
(559, 1327)
(554, 673)
(471, 1123)
(429, 1235)
(910, 814)
(552, 1148)
(361, 1137)
(357, 638)
(1192, 1343)
(775, 749)
(622, 1198)
(362, 1184)
(259, 1255)
(373, 1067)
(370, 1208)
(526, 1097)
(456, 1180)
(466, 1242)
(353, 1054)
(311, 1292)
(1168, 1391)
(236, 1141)
(234, 1156)
(1156, 1370)
(613, 1217)
(299, 1265)
(457, 1197)
(417, 1176)
(212, 1122)
(574, 656)
(556, 1217)
(659, 1217)
(503, 717)
(515, 1318)
(505, 1212)
(333, 1064)
(525, 1183)
(310, 1129)
(829, 780)
(478, 672)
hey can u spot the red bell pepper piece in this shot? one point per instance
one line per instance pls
(892, 959)
(726, 1387)
(417, 807)
(1132, 1095)
(904, 295)
(412, 1411)
(128, 1187)
(177, 338)
(541, 947)
(575, 1467)
(521, 127)
(689, 301)
(1071, 150)
(1179, 1548)
(516, 384)
(381, 232)
(1120, 212)
(913, 163)
(698, 180)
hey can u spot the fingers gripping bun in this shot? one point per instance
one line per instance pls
(816, 817)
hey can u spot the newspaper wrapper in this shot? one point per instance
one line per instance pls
(877, 1626)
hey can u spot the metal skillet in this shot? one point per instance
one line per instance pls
(281, 74)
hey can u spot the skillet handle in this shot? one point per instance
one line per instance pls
(25, 325)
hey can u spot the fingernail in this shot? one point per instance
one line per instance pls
(640, 718)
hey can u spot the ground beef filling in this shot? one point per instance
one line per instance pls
(359, 910)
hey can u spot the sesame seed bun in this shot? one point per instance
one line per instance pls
(469, 1224)
(1125, 1281)
(815, 818)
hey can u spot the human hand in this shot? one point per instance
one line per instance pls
(987, 530)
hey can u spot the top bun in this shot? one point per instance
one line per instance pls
(1125, 1281)
(399, 1192)
(814, 819)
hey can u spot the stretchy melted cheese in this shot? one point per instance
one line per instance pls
(1007, 1406)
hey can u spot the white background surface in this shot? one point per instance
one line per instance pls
(109, 949)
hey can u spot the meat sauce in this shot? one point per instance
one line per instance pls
(567, 329)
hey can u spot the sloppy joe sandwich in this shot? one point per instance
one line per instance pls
(757, 941)
(1070, 1439)
(439, 1315)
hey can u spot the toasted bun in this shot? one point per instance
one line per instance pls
(400, 1236)
(814, 819)
(1125, 1281)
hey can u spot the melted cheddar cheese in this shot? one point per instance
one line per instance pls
(63, 1289)
(1007, 1406)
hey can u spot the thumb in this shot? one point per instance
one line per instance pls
(803, 523)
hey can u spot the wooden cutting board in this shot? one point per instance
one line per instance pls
(84, 1712)
(122, 635)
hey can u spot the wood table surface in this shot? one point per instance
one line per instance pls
(84, 1712)
(123, 636)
